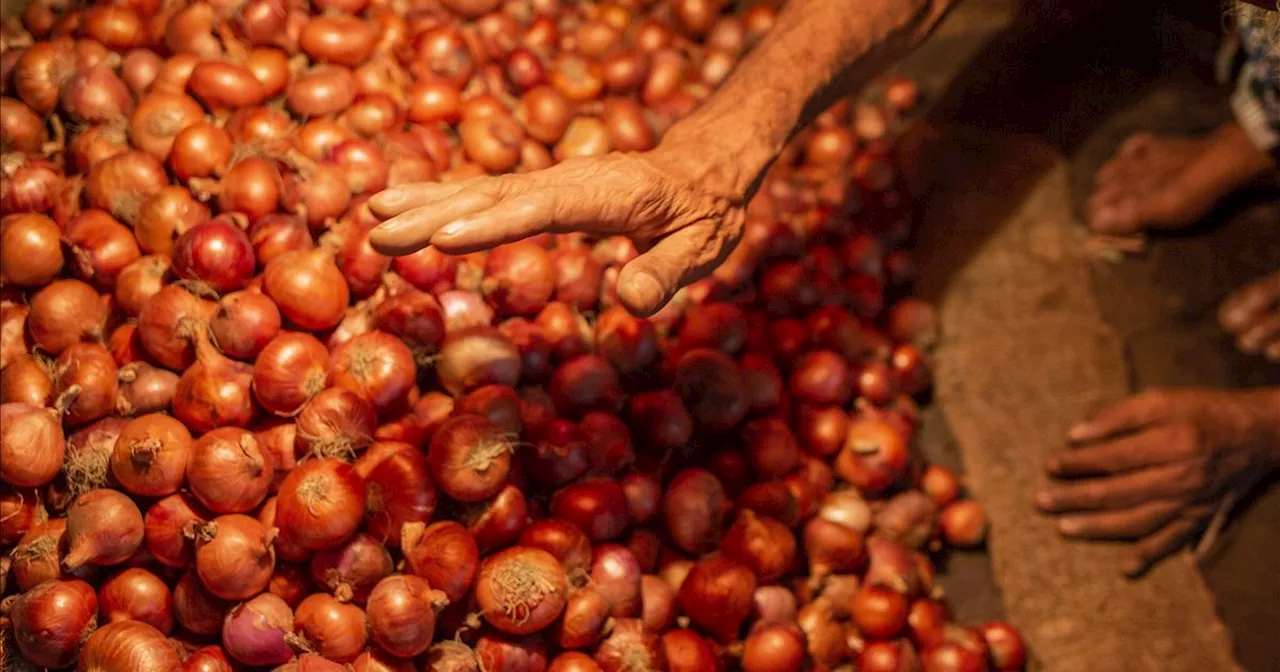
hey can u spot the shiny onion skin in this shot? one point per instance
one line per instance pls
(214, 391)
(336, 422)
(151, 454)
(128, 646)
(234, 556)
(37, 557)
(401, 612)
(51, 621)
(256, 632)
(165, 527)
(444, 553)
(243, 324)
(716, 595)
(30, 250)
(228, 471)
(521, 590)
(87, 381)
(399, 492)
(350, 570)
(308, 288)
(290, 370)
(101, 247)
(168, 326)
(137, 595)
(332, 629)
(104, 527)
(321, 503)
(66, 312)
(378, 367)
(470, 457)
(31, 445)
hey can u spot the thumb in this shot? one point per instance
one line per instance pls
(649, 281)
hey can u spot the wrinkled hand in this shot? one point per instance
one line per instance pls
(680, 215)
(1153, 468)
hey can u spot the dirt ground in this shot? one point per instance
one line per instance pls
(1026, 102)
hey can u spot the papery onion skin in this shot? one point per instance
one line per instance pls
(128, 646)
(137, 595)
(103, 528)
(234, 556)
(598, 507)
(228, 472)
(378, 367)
(28, 380)
(402, 613)
(399, 492)
(631, 645)
(717, 595)
(322, 502)
(308, 288)
(444, 553)
(290, 370)
(37, 557)
(66, 312)
(257, 631)
(470, 458)
(31, 444)
(168, 325)
(336, 422)
(351, 569)
(87, 383)
(334, 630)
(198, 610)
(243, 324)
(29, 249)
(51, 620)
(521, 590)
(165, 528)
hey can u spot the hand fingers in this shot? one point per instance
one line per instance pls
(1128, 415)
(1168, 539)
(391, 202)
(412, 230)
(1117, 492)
(1136, 144)
(1244, 306)
(1144, 449)
(506, 222)
(649, 281)
(1124, 524)
(1266, 330)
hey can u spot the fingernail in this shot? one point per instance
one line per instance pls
(1044, 500)
(1131, 566)
(1069, 526)
(389, 197)
(1080, 432)
(1053, 464)
(645, 289)
(453, 228)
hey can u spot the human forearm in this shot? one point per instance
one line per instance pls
(818, 51)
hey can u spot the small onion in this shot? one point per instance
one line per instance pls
(521, 590)
(104, 527)
(402, 612)
(257, 632)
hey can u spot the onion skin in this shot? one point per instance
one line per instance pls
(352, 569)
(308, 289)
(399, 492)
(687, 651)
(402, 613)
(128, 646)
(717, 595)
(469, 458)
(37, 557)
(51, 620)
(228, 471)
(444, 554)
(137, 595)
(320, 481)
(694, 508)
(164, 528)
(521, 590)
(87, 383)
(31, 445)
(334, 630)
(256, 632)
(30, 250)
(103, 528)
(66, 312)
(378, 367)
(26, 380)
(631, 645)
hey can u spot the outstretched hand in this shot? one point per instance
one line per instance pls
(1154, 467)
(682, 217)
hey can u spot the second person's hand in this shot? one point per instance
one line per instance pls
(684, 216)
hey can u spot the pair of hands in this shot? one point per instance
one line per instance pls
(683, 216)
(1155, 468)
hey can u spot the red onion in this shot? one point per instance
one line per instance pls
(378, 367)
(521, 590)
(597, 506)
(963, 524)
(694, 508)
(257, 632)
(687, 651)
(400, 492)
(717, 595)
(661, 418)
(169, 324)
(198, 610)
(37, 557)
(444, 553)
(470, 458)
(875, 456)
(321, 503)
(332, 629)
(776, 647)
(165, 529)
(629, 646)
(764, 545)
(402, 613)
(234, 556)
(582, 624)
(616, 574)
(336, 422)
(214, 392)
(562, 539)
(351, 569)
(30, 250)
(228, 471)
(51, 621)
(137, 595)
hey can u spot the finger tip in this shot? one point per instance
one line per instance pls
(1081, 432)
(642, 294)
(1044, 501)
